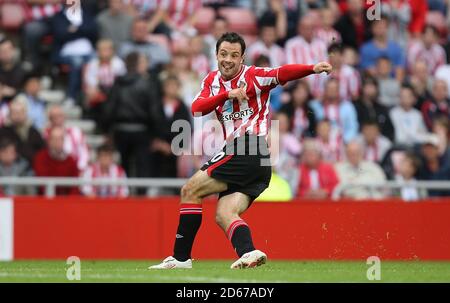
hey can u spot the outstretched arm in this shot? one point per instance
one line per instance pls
(291, 72)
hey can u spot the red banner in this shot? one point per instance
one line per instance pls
(145, 229)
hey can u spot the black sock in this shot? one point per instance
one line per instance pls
(240, 236)
(190, 221)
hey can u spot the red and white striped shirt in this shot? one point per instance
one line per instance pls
(250, 116)
(299, 51)
(328, 36)
(43, 11)
(74, 145)
(275, 53)
(332, 149)
(349, 82)
(433, 57)
(180, 10)
(114, 172)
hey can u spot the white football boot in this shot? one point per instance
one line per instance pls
(171, 262)
(250, 260)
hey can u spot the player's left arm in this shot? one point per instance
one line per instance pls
(291, 72)
(268, 78)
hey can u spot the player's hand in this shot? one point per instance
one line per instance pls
(238, 93)
(323, 67)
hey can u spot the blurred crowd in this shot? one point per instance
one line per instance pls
(134, 67)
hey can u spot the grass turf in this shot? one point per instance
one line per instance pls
(218, 272)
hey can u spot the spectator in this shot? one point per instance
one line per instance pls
(104, 167)
(11, 73)
(53, 161)
(282, 14)
(190, 80)
(266, 45)
(341, 113)
(156, 54)
(299, 111)
(199, 61)
(408, 122)
(37, 26)
(380, 46)
(421, 82)
(99, 76)
(353, 25)
(27, 139)
(441, 128)
(330, 141)
(131, 113)
(427, 49)
(317, 178)
(399, 14)
(326, 32)
(286, 156)
(114, 23)
(407, 172)
(434, 166)
(219, 27)
(348, 77)
(173, 109)
(389, 88)
(443, 73)
(356, 171)
(375, 145)
(437, 105)
(75, 32)
(419, 9)
(12, 165)
(74, 140)
(369, 109)
(306, 49)
(36, 105)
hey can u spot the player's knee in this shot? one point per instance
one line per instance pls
(188, 192)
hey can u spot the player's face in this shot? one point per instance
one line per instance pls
(230, 59)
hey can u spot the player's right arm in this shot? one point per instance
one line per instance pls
(204, 102)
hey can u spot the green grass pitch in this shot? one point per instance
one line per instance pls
(219, 272)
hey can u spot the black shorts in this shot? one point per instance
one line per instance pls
(244, 164)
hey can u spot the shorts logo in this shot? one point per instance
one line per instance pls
(236, 115)
(217, 157)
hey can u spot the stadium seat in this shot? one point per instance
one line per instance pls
(204, 19)
(12, 16)
(242, 21)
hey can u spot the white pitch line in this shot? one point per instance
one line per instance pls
(137, 277)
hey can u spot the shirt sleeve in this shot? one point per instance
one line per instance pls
(204, 102)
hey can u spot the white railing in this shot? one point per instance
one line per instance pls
(372, 187)
(50, 183)
(154, 184)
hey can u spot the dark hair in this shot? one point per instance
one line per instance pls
(335, 48)
(221, 18)
(370, 122)
(131, 61)
(231, 38)
(432, 27)
(415, 161)
(261, 60)
(105, 148)
(6, 142)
